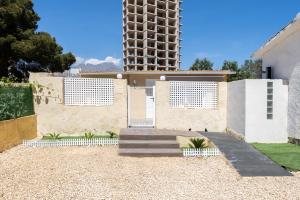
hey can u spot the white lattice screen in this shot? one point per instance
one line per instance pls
(88, 91)
(193, 94)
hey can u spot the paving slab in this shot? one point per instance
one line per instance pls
(244, 157)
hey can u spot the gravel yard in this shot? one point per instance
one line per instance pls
(99, 173)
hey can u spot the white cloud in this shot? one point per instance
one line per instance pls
(109, 59)
(96, 61)
(297, 16)
(79, 61)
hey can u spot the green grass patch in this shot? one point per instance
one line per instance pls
(76, 137)
(287, 155)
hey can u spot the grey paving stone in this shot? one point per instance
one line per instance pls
(244, 158)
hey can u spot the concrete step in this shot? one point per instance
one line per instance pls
(151, 144)
(150, 152)
(140, 136)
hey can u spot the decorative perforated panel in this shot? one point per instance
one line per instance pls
(193, 94)
(88, 91)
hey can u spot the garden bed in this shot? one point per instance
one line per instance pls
(77, 137)
(100, 141)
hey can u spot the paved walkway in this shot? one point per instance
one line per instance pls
(245, 158)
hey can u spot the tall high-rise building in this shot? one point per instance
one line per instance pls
(151, 34)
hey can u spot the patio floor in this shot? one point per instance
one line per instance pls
(99, 173)
(247, 160)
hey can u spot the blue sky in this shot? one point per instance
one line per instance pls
(217, 29)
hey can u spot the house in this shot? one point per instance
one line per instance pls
(281, 60)
(172, 100)
(101, 101)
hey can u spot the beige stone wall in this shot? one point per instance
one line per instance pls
(13, 132)
(54, 116)
(185, 118)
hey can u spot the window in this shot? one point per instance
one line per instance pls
(193, 94)
(88, 91)
(269, 100)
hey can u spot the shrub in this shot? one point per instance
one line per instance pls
(54, 136)
(111, 134)
(89, 135)
(7, 81)
(15, 101)
(197, 143)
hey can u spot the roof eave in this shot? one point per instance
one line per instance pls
(292, 27)
(220, 72)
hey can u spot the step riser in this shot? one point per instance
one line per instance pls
(150, 155)
(147, 137)
(140, 143)
(149, 146)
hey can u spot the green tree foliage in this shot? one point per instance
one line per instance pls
(19, 41)
(232, 66)
(251, 69)
(203, 64)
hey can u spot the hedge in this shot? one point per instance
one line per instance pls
(15, 102)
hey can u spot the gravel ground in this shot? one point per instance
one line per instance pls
(99, 173)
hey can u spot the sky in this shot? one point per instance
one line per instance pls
(215, 29)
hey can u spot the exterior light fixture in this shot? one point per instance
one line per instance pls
(119, 76)
(162, 78)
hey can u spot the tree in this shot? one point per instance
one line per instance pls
(252, 69)
(203, 64)
(21, 47)
(232, 66)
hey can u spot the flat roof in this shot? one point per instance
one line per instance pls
(202, 72)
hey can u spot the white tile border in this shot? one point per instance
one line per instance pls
(72, 142)
(206, 152)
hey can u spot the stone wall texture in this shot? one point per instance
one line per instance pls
(294, 104)
(186, 118)
(13, 132)
(54, 116)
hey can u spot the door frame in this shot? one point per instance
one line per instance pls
(129, 117)
(154, 98)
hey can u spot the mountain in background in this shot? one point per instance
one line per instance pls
(103, 67)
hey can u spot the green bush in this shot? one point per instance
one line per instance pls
(15, 101)
(54, 136)
(111, 134)
(197, 143)
(89, 135)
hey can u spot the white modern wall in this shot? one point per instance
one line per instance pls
(257, 127)
(284, 53)
(250, 114)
